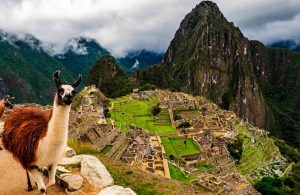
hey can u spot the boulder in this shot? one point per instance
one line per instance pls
(71, 182)
(69, 161)
(62, 169)
(70, 152)
(95, 172)
(116, 190)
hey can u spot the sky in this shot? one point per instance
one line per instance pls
(127, 25)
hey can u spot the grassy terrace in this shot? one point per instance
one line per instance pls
(255, 154)
(177, 174)
(138, 113)
(176, 147)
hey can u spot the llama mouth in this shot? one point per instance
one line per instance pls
(67, 102)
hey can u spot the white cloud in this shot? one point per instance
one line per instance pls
(124, 25)
(264, 20)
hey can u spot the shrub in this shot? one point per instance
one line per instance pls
(184, 125)
(236, 148)
(177, 117)
(155, 110)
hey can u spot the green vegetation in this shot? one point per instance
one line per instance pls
(26, 72)
(156, 75)
(257, 149)
(204, 167)
(138, 113)
(176, 146)
(73, 166)
(282, 95)
(184, 124)
(177, 117)
(280, 186)
(290, 153)
(106, 149)
(236, 148)
(177, 174)
(155, 110)
(289, 184)
(109, 78)
(82, 148)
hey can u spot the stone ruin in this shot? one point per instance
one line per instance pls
(214, 151)
(146, 152)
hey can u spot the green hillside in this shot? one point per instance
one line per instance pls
(26, 72)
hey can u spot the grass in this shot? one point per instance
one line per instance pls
(204, 167)
(177, 174)
(139, 181)
(138, 113)
(106, 149)
(176, 147)
(82, 148)
(73, 166)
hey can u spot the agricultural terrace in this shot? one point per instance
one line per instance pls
(260, 150)
(176, 146)
(127, 112)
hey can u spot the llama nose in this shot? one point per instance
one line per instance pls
(69, 96)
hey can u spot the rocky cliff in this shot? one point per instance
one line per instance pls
(211, 57)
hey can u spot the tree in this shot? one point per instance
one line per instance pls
(184, 124)
(155, 110)
(236, 148)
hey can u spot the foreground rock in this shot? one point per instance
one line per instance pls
(87, 172)
(71, 182)
(70, 152)
(116, 190)
(95, 172)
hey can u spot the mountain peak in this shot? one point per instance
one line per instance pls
(209, 4)
(207, 8)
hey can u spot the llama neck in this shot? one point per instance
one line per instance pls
(58, 124)
(2, 108)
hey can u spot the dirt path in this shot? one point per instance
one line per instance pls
(13, 177)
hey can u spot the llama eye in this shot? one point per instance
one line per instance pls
(61, 93)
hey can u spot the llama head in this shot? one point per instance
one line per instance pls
(65, 91)
(8, 101)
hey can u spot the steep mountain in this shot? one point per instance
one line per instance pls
(139, 60)
(211, 57)
(80, 54)
(109, 78)
(286, 44)
(26, 69)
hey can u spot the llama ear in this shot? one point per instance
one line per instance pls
(7, 97)
(76, 83)
(56, 77)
